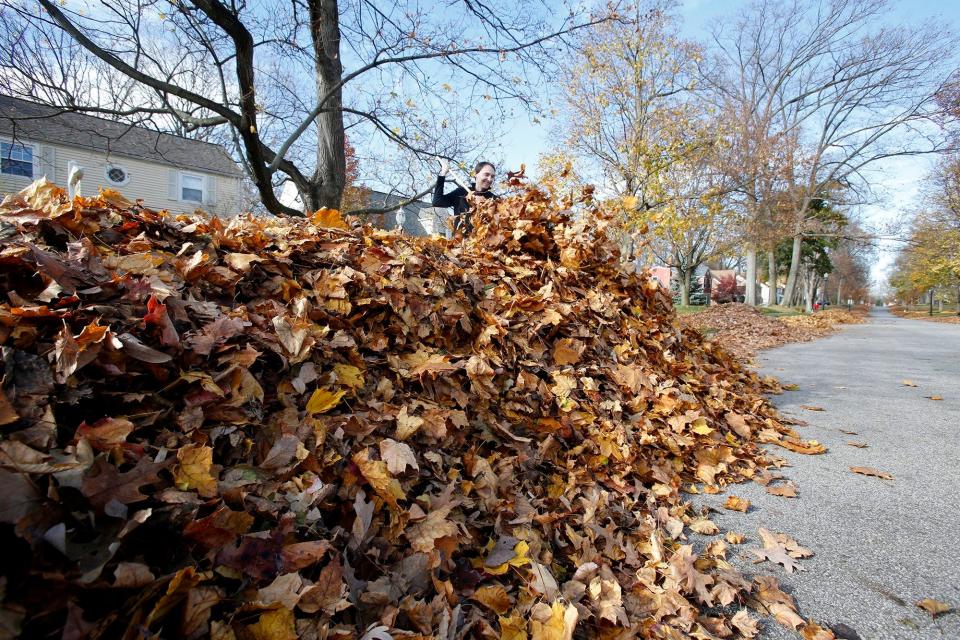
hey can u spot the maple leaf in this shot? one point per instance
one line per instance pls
(493, 597)
(813, 631)
(329, 594)
(423, 535)
(398, 456)
(375, 472)
(780, 549)
(870, 471)
(747, 626)
(195, 470)
(567, 351)
(553, 622)
(328, 219)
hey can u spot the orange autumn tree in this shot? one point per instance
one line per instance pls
(355, 196)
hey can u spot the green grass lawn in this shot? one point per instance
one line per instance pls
(949, 310)
(769, 311)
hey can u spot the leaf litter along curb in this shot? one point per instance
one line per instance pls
(303, 428)
(743, 330)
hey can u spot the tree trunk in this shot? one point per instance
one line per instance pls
(931, 302)
(789, 291)
(685, 288)
(326, 185)
(839, 290)
(751, 293)
(772, 278)
(808, 292)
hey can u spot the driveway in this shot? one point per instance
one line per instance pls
(880, 545)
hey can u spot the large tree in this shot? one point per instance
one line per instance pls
(283, 81)
(848, 91)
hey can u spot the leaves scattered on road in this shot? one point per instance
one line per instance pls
(781, 549)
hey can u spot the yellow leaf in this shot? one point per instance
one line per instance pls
(277, 624)
(323, 400)
(513, 627)
(493, 597)
(734, 538)
(700, 426)
(934, 607)
(349, 375)
(376, 473)
(737, 504)
(407, 425)
(328, 218)
(194, 470)
(555, 622)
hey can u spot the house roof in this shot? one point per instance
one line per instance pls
(381, 200)
(30, 121)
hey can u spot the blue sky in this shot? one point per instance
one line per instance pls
(897, 180)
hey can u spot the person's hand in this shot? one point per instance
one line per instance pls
(444, 166)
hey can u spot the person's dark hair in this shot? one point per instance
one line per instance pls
(483, 163)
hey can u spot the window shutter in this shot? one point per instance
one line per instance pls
(210, 189)
(173, 185)
(47, 163)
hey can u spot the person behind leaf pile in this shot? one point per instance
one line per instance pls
(484, 174)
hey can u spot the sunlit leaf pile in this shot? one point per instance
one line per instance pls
(277, 429)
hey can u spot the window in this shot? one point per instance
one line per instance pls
(191, 187)
(117, 175)
(16, 159)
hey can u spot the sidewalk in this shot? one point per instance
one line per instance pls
(880, 545)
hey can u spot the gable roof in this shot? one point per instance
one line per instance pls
(30, 121)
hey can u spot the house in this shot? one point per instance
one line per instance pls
(416, 218)
(165, 171)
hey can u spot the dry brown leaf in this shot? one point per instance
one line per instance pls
(735, 503)
(809, 407)
(398, 456)
(858, 445)
(788, 490)
(909, 383)
(813, 631)
(704, 526)
(734, 538)
(870, 471)
(934, 397)
(934, 607)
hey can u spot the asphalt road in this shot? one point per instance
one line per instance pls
(880, 545)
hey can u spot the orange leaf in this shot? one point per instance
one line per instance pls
(328, 218)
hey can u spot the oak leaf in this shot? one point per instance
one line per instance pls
(870, 471)
(788, 490)
(423, 535)
(553, 622)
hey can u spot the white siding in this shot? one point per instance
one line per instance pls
(148, 181)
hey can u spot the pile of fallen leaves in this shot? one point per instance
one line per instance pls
(821, 323)
(301, 428)
(924, 314)
(743, 330)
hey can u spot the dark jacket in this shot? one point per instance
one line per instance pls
(458, 200)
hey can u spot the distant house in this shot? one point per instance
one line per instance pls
(165, 171)
(418, 218)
